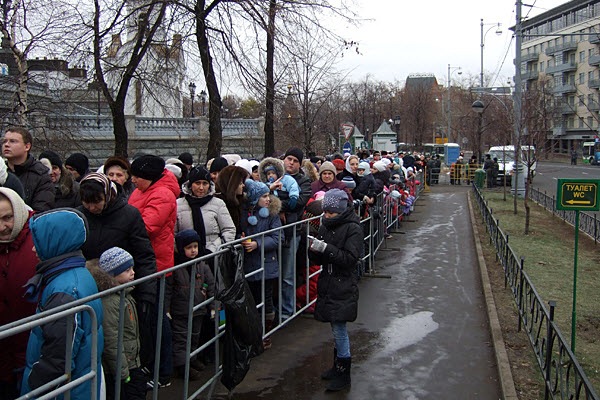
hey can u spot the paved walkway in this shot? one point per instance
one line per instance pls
(421, 334)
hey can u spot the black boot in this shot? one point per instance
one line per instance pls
(341, 380)
(330, 373)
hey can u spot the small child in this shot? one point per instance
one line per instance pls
(115, 267)
(61, 278)
(263, 215)
(281, 185)
(337, 249)
(187, 244)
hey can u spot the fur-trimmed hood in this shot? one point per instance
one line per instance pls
(270, 161)
(309, 170)
(103, 280)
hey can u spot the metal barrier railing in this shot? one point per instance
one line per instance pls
(382, 216)
(588, 223)
(563, 375)
(61, 384)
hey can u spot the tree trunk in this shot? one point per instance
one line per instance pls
(120, 132)
(270, 87)
(215, 139)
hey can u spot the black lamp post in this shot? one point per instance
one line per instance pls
(479, 107)
(397, 120)
(203, 99)
(192, 88)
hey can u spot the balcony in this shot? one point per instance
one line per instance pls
(561, 68)
(594, 84)
(559, 130)
(566, 88)
(594, 106)
(594, 39)
(594, 60)
(530, 75)
(569, 46)
(566, 109)
(529, 57)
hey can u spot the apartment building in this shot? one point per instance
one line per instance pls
(560, 55)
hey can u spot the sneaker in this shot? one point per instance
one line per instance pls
(162, 383)
(388, 236)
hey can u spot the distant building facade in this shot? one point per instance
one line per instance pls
(561, 48)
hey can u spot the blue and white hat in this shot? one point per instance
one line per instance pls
(255, 190)
(115, 261)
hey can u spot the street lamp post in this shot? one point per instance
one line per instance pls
(192, 87)
(479, 108)
(203, 99)
(397, 120)
(498, 32)
(448, 110)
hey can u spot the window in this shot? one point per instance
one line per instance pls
(542, 66)
(581, 98)
(581, 78)
(590, 75)
(590, 122)
(570, 122)
(581, 56)
(581, 124)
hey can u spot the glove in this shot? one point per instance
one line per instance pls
(318, 246)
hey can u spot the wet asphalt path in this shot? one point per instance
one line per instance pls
(421, 334)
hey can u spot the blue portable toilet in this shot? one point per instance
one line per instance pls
(451, 153)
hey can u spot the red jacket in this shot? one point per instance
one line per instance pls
(17, 265)
(158, 207)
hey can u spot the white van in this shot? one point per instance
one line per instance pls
(506, 160)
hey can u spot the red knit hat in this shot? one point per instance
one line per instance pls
(339, 164)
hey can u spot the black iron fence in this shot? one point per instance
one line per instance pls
(588, 223)
(563, 376)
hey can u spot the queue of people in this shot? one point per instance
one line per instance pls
(130, 220)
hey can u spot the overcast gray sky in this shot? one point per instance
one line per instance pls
(407, 36)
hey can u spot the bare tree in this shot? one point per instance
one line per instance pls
(27, 27)
(114, 79)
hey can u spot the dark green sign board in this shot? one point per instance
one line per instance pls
(578, 195)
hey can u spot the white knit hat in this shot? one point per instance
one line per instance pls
(379, 166)
(20, 212)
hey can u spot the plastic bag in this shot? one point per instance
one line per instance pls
(243, 329)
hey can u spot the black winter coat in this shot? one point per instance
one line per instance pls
(37, 185)
(337, 288)
(365, 187)
(122, 225)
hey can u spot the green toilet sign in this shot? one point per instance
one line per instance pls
(578, 195)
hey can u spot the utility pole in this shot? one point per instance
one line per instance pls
(517, 99)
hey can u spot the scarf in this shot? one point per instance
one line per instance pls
(196, 204)
(48, 269)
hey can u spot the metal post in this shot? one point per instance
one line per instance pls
(574, 313)
(481, 73)
(448, 117)
(548, 359)
(517, 98)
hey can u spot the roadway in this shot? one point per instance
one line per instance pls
(548, 174)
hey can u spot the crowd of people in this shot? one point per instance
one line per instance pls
(67, 232)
